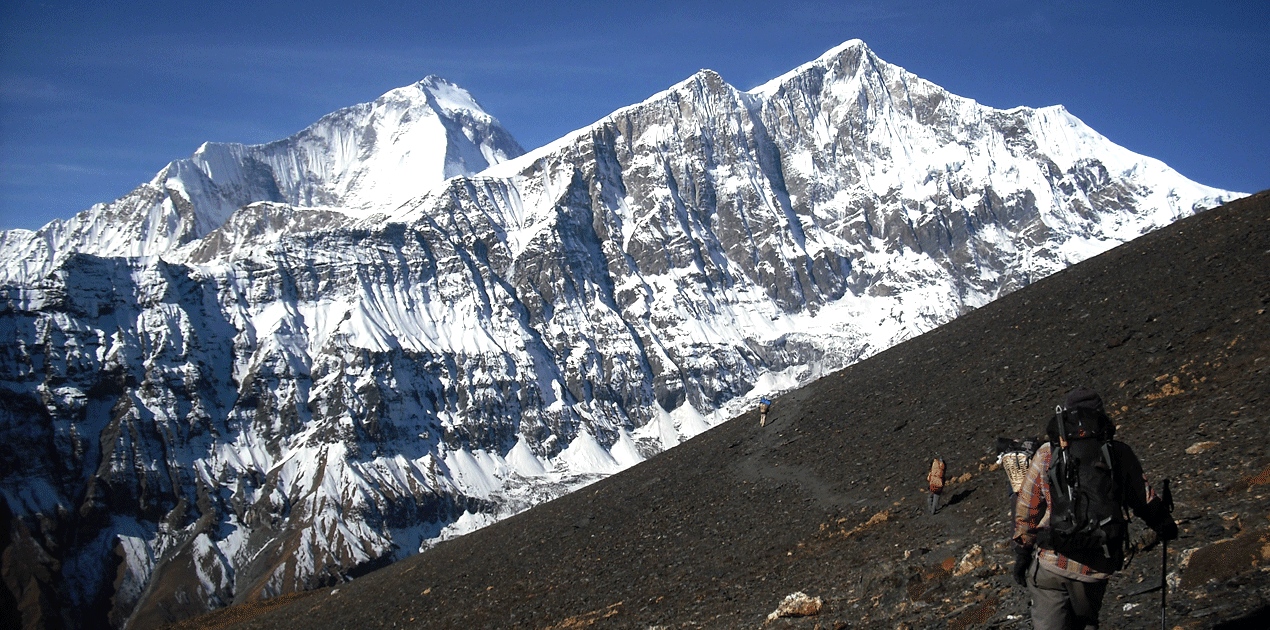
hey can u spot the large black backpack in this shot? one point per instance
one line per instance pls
(1087, 517)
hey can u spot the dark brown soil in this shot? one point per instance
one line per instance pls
(828, 498)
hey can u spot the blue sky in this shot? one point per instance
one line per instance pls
(96, 97)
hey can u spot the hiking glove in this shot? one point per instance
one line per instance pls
(1022, 560)
(1159, 520)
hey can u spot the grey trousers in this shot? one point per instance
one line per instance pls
(1060, 603)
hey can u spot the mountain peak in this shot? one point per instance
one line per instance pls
(442, 95)
(701, 81)
(854, 45)
(359, 160)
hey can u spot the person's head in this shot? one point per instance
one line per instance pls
(1082, 398)
(1083, 409)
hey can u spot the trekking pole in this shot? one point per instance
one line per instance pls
(1164, 562)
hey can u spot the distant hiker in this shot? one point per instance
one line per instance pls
(1015, 456)
(935, 481)
(763, 405)
(1070, 524)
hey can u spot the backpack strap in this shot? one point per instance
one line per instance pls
(1056, 484)
(1060, 415)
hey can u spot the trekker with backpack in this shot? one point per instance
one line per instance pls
(935, 483)
(1015, 456)
(1070, 524)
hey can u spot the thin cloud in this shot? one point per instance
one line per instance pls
(17, 89)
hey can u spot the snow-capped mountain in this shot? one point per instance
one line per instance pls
(279, 366)
(361, 159)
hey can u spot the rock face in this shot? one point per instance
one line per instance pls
(276, 367)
